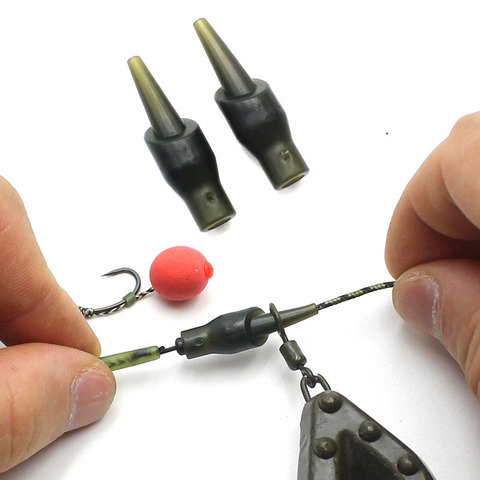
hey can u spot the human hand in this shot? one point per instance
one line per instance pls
(433, 247)
(57, 384)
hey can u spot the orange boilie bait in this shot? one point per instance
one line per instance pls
(180, 273)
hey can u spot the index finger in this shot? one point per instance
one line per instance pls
(438, 215)
(33, 308)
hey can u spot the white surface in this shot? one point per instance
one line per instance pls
(370, 88)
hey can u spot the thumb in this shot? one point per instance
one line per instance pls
(441, 298)
(46, 391)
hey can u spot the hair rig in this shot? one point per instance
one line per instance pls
(338, 441)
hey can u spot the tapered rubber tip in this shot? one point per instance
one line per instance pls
(164, 120)
(234, 79)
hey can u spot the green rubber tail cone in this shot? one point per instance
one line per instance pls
(253, 112)
(182, 153)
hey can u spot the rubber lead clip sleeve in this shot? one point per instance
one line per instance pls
(182, 153)
(253, 112)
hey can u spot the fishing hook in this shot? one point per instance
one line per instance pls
(128, 300)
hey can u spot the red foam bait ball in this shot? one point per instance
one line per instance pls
(180, 273)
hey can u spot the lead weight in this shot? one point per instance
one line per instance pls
(338, 441)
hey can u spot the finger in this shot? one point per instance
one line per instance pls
(46, 391)
(438, 215)
(33, 308)
(441, 298)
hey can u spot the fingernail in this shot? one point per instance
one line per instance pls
(93, 393)
(416, 299)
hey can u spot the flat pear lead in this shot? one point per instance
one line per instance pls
(338, 441)
(253, 112)
(182, 153)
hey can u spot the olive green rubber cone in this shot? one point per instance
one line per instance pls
(253, 112)
(182, 153)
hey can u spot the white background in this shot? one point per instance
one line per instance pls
(370, 88)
